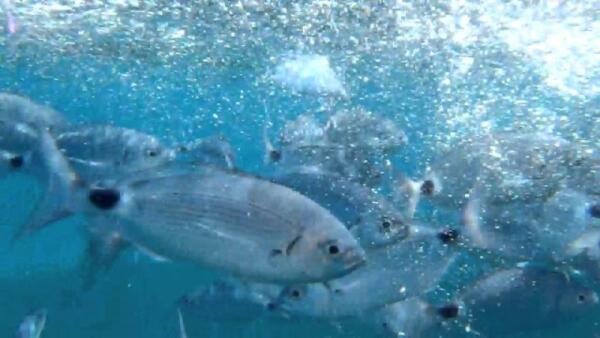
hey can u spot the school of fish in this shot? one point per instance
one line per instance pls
(329, 230)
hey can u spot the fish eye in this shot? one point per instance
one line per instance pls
(271, 306)
(385, 325)
(333, 249)
(386, 224)
(427, 188)
(580, 298)
(17, 161)
(595, 211)
(295, 293)
(448, 236)
(275, 155)
(152, 153)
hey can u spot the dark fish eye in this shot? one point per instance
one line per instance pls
(275, 155)
(595, 211)
(386, 224)
(295, 293)
(104, 199)
(333, 249)
(448, 236)
(385, 325)
(427, 188)
(271, 306)
(152, 153)
(448, 311)
(581, 298)
(17, 161)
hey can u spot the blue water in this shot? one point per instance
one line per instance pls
(181, 99)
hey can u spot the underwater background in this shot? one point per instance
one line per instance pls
(180, 70)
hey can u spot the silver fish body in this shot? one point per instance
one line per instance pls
(406, 269)
(19, 109)
(221, 219)
(102, 151)
(373, 219)
(524, 299)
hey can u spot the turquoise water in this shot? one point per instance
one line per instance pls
(442, 72)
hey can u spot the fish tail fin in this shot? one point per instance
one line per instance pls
(61, 184)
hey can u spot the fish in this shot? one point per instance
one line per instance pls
(98, 152)
(32, 325)
(20, 109)
(210, 217)
(506, 167)
(362, 129)
(412, 317)
(213, 150)
(524, 299)
(406, 269)
(372, 219)
(541, 231)
(356, 144)
(230, 300)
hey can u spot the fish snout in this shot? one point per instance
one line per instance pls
(354, 257)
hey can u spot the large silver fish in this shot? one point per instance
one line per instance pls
(32, 325)
(213, 218)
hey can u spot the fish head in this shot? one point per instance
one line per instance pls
(575, 297)
(326, 250)
(310, 300)
(150, 154)
(33, 325)
(376, 229)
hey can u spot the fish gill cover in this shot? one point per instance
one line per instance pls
(262, 168)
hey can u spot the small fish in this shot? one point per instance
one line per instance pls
(409, 318)
(97, 152)
(507, 167)
(524, 299)
(230, 300)
(19, 109)
(212, 218)
(372, 219)
(406, 269)
(32, 325)
(531, 230)
(214, 150)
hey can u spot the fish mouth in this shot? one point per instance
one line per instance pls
(354, 258)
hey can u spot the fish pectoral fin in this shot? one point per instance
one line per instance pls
(103, 249)
(150, 253)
